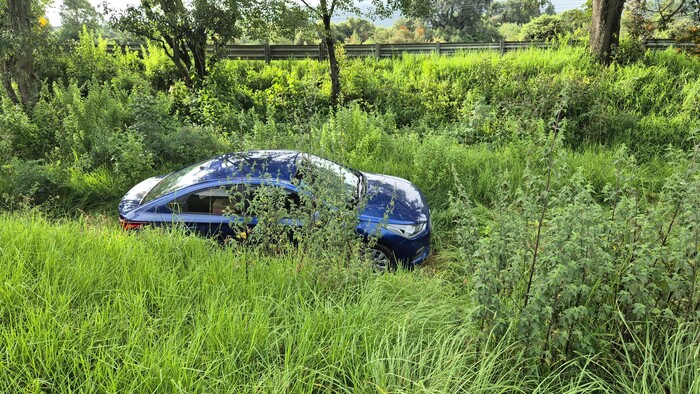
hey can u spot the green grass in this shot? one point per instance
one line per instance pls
(89, 308)
(85, 307)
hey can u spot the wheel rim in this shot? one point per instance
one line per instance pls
(380, 260)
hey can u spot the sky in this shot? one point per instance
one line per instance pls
(55, 20)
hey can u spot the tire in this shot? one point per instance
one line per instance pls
(382, 258)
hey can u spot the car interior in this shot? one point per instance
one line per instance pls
(233, 200)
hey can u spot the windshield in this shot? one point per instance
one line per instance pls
(179, 179)
(313, 169)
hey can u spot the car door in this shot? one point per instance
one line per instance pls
(208, 211)
(229, 211)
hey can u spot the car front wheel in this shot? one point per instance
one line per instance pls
(382, 258)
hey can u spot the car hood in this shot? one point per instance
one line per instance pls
(133, 198)
(409, 204)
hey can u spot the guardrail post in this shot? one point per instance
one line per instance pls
(268, 56)
(321, 48)
(437, 48)
(377, 51)
(501, 47)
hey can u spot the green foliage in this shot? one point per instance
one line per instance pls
(27, 183)
(286, 92)
(514, 11)
(510, 31)
(577, 21)
(164, 137)
(409, 30)
(23, 31)
(473, 97)
(186, 28)
(406, 109)
(174, 305)
(77, 16)
(459, 18)
(608, 240)
(90, 61)
(158, 68)
(361, 29)
(20, 137)
(595, 268)
(652, 363)
(543, 28)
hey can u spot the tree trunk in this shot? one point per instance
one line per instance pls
(179, 57)
(199, 55)
(21, 24)
(335, 69)
(7, 82)
(605, 28)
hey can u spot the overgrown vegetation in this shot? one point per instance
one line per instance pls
(87, 307)
(564, 196)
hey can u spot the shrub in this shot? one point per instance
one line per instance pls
(90, 60)
(571, 270)
(164, 137)
(543, 28)
(20, 137)
(160, 71)
(24, 183)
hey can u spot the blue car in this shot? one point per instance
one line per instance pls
(200, 198)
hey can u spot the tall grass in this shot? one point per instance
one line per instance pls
(89, 308)
(85, 307)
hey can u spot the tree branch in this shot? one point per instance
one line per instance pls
(312, 9)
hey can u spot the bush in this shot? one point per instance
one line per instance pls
(24, 183)
(160, 71)
(18, 135)
(568, 270)
(163, 136)
(543, 28)
(90, 60)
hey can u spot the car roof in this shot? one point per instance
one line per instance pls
(275, 164)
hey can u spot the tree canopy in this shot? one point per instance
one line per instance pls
(76, 15)
(184, 29)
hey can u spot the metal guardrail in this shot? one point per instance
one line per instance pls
(665, 43)
(268, 53)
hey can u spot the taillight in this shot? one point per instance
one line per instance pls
(130, 224)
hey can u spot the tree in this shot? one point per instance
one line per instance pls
(515, 11)
(605, 28)
(642, 18)
(645, 15)
(74, 15)
(665, 13)
(577, 21)
(362, 28)
(22, 29)
(404, 31)
(184, 29)
(464, 17)
(325, 11)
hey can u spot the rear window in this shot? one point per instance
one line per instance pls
(179, 179)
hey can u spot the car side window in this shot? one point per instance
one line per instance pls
(237, 200)
(212, 201)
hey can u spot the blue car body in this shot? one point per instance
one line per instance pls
(404, 229)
